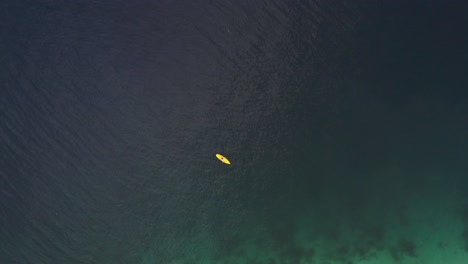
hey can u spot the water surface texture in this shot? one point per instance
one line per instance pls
(346, 124)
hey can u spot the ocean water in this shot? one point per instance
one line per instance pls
(346, 124)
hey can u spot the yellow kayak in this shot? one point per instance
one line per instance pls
(223, 159)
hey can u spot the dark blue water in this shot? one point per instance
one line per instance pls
(345, 122)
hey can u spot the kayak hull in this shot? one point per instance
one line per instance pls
(223, 159)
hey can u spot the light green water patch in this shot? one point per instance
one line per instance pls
(421, 227)
(416, 241)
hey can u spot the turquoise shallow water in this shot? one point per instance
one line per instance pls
(345, 124)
